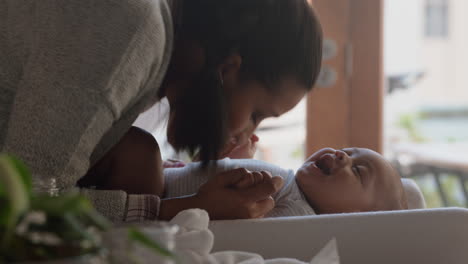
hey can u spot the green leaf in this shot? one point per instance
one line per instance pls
(97, 219)
(5, 210)
(77, 227)
(16, 195)
(58, 205)
(138, 236)
(23, 173)
(69, 216)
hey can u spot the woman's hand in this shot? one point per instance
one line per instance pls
(239, 194)
(234, 194)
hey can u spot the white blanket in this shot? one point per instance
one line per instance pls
(194, 241)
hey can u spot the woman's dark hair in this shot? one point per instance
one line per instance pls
(275, 38)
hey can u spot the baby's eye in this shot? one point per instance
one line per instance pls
(347, 151)
(357, 171)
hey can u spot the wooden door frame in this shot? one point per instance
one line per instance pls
(349, 113)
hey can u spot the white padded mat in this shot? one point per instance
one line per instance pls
(436, 236)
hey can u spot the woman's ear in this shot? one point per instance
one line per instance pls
(229, 69)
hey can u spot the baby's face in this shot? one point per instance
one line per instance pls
(350, 180)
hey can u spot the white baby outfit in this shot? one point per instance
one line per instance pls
(289, 201)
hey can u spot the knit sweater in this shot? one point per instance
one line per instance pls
(74, 76)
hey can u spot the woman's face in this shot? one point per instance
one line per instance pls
(250, 102)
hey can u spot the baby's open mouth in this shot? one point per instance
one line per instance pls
(322, 165)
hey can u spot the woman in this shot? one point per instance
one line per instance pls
(75, 75)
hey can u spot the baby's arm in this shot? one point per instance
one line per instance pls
(187, 180)
(290, 201)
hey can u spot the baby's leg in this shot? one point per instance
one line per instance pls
(133, 165)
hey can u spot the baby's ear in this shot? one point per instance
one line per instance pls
(403, 201)
(398, 201)
(413, 195)
(404, 204)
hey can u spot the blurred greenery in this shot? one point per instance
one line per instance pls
(451, 186)
(408, 122)
(298, 153)
(451, 140)
(68, 219)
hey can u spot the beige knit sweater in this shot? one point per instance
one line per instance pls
(74, 75)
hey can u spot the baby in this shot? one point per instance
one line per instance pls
(330, 181)
(350, 180)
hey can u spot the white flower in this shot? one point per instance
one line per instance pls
(44, 238)
(33, 217)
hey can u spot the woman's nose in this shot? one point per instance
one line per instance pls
(254, 138)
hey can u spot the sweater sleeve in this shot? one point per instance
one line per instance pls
(89, 64)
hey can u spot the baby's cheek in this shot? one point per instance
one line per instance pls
(301, 177)
(298, 175)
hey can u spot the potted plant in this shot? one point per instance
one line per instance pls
(40, 227)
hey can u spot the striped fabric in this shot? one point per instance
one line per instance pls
(142, 208)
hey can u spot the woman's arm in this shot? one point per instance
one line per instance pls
(133, 165)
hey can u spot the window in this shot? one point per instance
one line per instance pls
(436, 18)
